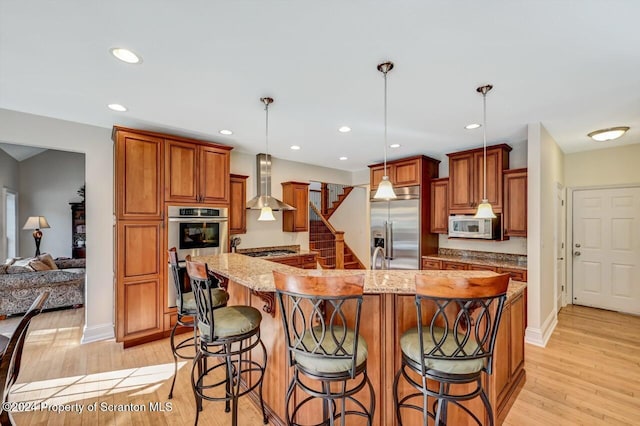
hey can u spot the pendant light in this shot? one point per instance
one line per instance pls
(385, 187)
(485, 211)
(266, 213)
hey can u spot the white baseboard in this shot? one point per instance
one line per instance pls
(97, 333)
(540, 336)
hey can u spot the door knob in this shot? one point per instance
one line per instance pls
(577, 253)
(560, 258)
(578, 245)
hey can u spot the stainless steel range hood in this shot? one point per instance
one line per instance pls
(263, 183)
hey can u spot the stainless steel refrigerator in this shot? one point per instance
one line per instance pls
(395, 227)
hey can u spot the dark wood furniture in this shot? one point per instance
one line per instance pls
(238, 204)
(515, 203)
(78, 231)
(296, 194)
(153, 170)
(303, 261)
(460, 265)
(440, 206)
(12, 357)
(466, 183)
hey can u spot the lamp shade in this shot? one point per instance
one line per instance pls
(266, 214)
(385, 190)
(36, 222)
(485, 211)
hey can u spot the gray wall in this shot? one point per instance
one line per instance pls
(48, 182)
(8, 179)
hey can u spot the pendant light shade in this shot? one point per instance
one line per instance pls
(485, 211)
(266, 215)
(385, 187)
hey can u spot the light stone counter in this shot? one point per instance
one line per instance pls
(256, 274)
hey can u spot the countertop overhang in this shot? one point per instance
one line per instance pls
(256, 274)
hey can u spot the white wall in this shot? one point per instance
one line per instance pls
(545, 171)
(32, 130)
(9, 180)
(608, 166)
(48, 182)
(261, 234)
(353, 217)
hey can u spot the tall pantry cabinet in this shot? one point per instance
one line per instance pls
(143, 184)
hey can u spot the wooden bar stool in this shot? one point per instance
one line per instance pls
(458, 320)
(321, 333)
(186, 310)
(227, 334)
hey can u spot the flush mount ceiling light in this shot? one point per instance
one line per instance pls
(395, 145)
(608, 134)
(385, 187)
(295, 147)
(117, 107)
(485, 211)
(126, 55)
(472, 126)
(343, 158)
(225, 132)
(344, 129)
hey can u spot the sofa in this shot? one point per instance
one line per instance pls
(22, 280)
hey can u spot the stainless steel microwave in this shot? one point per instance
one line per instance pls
(470, 227)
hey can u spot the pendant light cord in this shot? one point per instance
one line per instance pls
(266, 138)
(385, 123)
(484, 137)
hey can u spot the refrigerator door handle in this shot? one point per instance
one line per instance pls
(390, 239)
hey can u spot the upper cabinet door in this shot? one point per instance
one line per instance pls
(515, 203)
(440, 206)
(376, 174)
(238, 205)
(461, 196)
(181, 165)
(407, 173)
(296, 194)
(494, 177)
(214, 175)
(138, 175)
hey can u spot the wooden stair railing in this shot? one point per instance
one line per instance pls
(334, 206)
(325, 239)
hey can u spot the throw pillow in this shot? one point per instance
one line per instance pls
(38, 265)
(47, 260)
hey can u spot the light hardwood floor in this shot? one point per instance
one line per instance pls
(588, 374)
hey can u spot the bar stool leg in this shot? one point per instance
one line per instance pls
(486, 403)
(265, 420)
(175, 358)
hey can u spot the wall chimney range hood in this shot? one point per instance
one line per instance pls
(263, 182)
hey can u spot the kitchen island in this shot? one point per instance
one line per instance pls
(387, 311)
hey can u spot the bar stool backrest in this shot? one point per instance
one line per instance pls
(319, 312)
(202, 284)
(173, 262)
(460, 316)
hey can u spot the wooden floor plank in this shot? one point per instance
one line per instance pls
(589, 373)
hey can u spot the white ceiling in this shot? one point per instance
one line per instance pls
(572, 65)
(20, 152)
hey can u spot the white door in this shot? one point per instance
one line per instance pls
(606, 248)
(559, 237)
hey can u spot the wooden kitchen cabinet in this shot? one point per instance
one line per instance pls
(303, 261)
(296, 194)
(238, 204)
(517, 274)
(431, 264)
(454, 266)
(140, 281)
(404, 172)
(196, 173)
(466, 178)
(515, 203)
(138, 175)
(440, 206)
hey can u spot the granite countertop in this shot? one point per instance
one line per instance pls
(498, 263)
(296, 248)
(256, 274)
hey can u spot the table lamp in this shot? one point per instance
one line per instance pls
(36, 222)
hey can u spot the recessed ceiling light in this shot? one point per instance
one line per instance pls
(395, 145)
(126, 55)
(225, 132)
(295, 147)
(117, 107)
(344, 129)
(343, 158)
(472, 126)
(608, 134)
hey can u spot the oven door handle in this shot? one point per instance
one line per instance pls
(198, 220)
